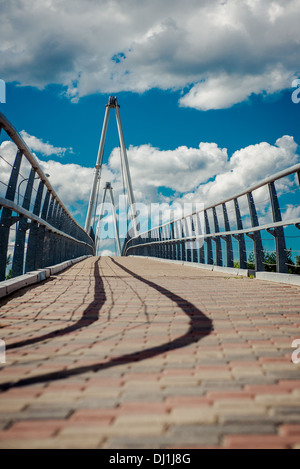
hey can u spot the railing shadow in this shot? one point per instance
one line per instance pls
(89, 316)
(199, 327)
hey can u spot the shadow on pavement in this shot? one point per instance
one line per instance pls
(199, 326)
(90, 315)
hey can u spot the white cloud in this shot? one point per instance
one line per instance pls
(225, 49)
(181, 169)
(247, 167)
(37, 145)
(225, 90)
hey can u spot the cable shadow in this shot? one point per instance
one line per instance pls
(199, 327)
(89, 316)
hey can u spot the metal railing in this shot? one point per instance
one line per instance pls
(193, 239)
(36, 229)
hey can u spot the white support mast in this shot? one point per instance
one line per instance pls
(109, 189)
(112, 103)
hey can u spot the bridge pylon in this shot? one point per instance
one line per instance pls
(112, 104)
(109, 189)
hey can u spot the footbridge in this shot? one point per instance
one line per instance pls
(189, 339)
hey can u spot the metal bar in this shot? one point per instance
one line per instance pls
(228, 239)
(240, 237)
(244, 231)
(282, 174)
(5, 222)
(257, 242)
(115, 221)
(125, 166)
(209, 252)
(97, 174)
(280, 244)
(101, 214)
(32, 248)
(23, 148)
(217, 240)
(22, 226)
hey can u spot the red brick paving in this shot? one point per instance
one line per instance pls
(133, 353)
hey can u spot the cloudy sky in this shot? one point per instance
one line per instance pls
(205, 89)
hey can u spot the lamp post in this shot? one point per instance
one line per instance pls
(27, 179)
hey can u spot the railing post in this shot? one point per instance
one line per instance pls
(160, 248)
(176, 244)
(189, 254)
(195, 243)
(210, 259)
(228, 239)
(256, 236)
(172, 236)
(183, 245)
(32, 248)
(201, 232)
(22, 226)
(278, 233)
(217, 239)
(6, 220)
(241, 237)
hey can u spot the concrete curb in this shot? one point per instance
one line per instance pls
(288, 279)
(212, 268)
(9, 286)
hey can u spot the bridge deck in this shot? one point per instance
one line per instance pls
(132, 353)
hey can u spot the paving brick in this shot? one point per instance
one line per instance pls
(258, 442)
(124, 385)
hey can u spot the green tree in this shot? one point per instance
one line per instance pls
(270, 260)
(251, 261)
(8, 261)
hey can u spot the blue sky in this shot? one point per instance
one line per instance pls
(215, 74)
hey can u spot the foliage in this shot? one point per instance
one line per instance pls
(8, 261)
(251, 261)
(270, 260)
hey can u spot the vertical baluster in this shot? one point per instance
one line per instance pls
(228, 240)
(278, 233)
(160, 250)
(217, 239)
(22, 226)
(200, 231)
(210, 259)
(183, 243)
(6, 216)
(41, 260)
(189, 253)
(195, 242)
(241, 237)
(256, 236)
(32, 249)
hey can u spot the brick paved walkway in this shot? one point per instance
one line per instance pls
(132, 353)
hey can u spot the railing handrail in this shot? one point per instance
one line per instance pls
(27, 214)
(269, 180)
(19, 142)
(220, 234)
